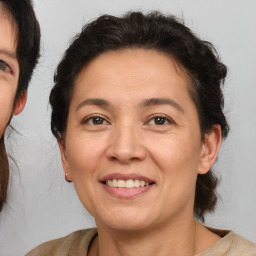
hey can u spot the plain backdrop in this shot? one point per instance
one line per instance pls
(42, 206)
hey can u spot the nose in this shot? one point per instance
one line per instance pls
(126, 145)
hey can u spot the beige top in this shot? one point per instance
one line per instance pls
(77, 244)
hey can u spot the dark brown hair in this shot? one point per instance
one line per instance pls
(4, 170)
(28, 46)
(152, 31)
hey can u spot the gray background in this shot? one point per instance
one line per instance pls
(43, 206)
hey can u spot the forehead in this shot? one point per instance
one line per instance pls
(131, 67)
(135, 56)
(8, 28)
(131, 76)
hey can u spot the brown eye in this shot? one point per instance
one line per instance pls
(159, 120)
(95, 120)
(4, 66)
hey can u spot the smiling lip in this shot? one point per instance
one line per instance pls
(130, 176)
(123, 192)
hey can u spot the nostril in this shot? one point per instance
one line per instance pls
(113, 158)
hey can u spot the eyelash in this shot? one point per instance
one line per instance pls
(93, 118)
(99, 120)
(5, 67)
(163, 117)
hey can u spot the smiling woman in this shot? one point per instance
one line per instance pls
(19, 52)
(137, 109)
(9, 69)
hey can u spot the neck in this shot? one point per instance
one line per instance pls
(181, 239)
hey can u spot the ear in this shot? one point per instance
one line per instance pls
(20, 103)
(210, 149)
(64, 160)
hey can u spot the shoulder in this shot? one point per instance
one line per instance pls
(241, 246)
(230, 244)
(76, 242)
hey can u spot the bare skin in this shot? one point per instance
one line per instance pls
(132, 118)
(9, 72)
(192, 241)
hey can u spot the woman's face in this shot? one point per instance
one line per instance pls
(9, 69)
(133, 145)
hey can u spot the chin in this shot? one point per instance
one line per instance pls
(127, 225)
(125, 220)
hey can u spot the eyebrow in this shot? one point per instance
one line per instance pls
(8, 53)
(143, 104)
(160, 101)
(96, 102)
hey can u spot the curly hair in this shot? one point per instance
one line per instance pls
(166, 34)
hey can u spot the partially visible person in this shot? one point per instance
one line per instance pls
(137, 110)
(19, 53)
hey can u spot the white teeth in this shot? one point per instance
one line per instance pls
(121, 183)
(127, 184)
(114, 183)
(136, 183)
(110, 183)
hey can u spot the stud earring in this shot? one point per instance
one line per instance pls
(66, 178)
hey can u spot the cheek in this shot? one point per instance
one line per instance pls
(6, 106)
(179, 173)
(181, 152)
(178, 160)
(84, 153)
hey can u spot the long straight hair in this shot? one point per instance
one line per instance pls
(4, 173)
